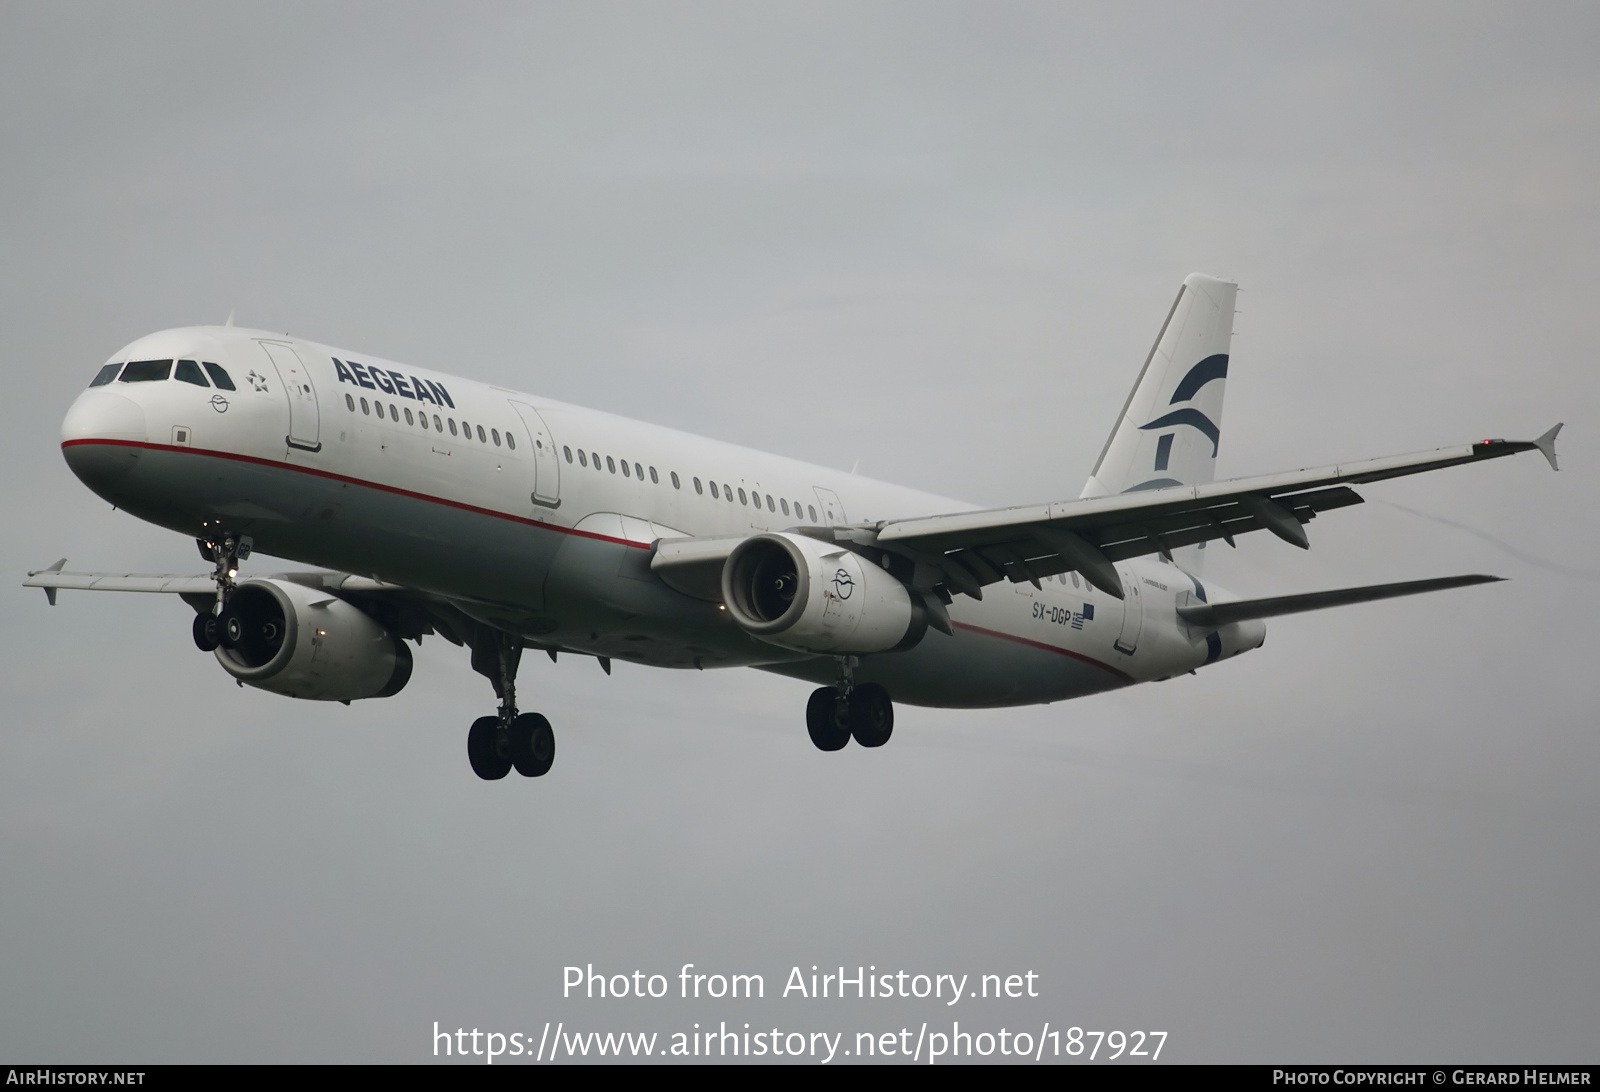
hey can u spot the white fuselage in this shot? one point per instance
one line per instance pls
(541, 518)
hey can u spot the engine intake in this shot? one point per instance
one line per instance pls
(305, 643)
(813, 596)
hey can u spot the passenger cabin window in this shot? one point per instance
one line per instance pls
(188, 371)
(218, 376)
(452, 426)
(350, 403)
(697, 486)
(437, 425)
(494, 434)
(653, 479)
(675, 484)
(482, 439)
(713, 490)
(146, 371)
(567, 451)
(511, 442)
(583, 460)
(813, 511)
(638, 471)
(741, 498)
(105, 375)
(611, 464)
(626, 473)
(364, 407)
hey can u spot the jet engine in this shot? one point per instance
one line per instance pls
(305, 643)
(814, 596)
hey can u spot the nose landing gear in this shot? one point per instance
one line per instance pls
(225, 550)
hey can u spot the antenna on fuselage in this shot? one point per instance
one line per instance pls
(231, 310)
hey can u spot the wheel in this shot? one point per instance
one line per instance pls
(206, 636)
(823, 720)
(533, 745)
(488, 749)
(871, 715)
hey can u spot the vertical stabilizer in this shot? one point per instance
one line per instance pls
(1170, 429)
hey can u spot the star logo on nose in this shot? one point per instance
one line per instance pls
(259, 382)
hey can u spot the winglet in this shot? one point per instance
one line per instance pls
(50, 593)
(1547, 445)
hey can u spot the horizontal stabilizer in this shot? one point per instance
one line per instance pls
(1220, 614)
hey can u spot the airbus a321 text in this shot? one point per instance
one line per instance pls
(504, 521)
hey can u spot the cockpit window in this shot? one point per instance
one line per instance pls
(146, 371)
(219, 377)
(189, 372)
(105, 375)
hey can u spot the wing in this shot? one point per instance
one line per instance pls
(55, 579)
(406, 611)
(967, 550)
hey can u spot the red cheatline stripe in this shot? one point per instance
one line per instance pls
(1058, 650)
(331, 476)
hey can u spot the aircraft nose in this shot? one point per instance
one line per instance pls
(101, 437)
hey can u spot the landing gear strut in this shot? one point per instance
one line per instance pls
(497, 745)
(836, 713)
(216, 627)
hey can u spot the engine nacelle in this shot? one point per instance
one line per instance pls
(306, 643)
(815, 596)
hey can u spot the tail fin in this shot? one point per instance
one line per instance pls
(1169, 430)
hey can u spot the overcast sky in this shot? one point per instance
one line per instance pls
(935, 238)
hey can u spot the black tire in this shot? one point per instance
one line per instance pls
(533, 745)
(871, 715)
(206, 634)
(488, 749)
(824, 720)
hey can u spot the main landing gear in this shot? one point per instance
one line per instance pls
(836, 713)
(497, 745)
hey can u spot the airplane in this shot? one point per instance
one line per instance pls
(503, 521)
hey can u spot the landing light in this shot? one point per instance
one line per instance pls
(232, 573)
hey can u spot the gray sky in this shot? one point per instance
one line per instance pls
(937, 238)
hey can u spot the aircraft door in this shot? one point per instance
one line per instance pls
(832, 510)
(1132, 613)
(546, 462)
(305, 419)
